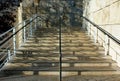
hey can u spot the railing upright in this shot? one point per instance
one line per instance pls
(96, 35)
(8, 49)
(107, 45)
(9, 54)
(60, 51)
(35, 22)
(14, 42)
(31, 28)
(107, 40)
(24, 32)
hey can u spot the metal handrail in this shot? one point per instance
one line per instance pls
(102, 30)
(15, 32)
(11, 28)
(1, 35)
(10, 50)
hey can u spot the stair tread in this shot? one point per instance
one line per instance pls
(68, 61)
(53, 55)
(54, 68)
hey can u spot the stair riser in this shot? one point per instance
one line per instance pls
(56, 48)
(63, 45)
(63, 38)
(97, 64)
(65, 73)
(63, 41)
(98, 73)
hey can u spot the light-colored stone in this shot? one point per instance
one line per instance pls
(104, 13)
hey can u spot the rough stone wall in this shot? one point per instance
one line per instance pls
(51, 9)
(106, 14)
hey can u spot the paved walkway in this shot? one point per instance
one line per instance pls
(53, 78)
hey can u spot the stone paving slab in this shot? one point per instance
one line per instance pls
(93, 78)
(30, 78)
(56, 78)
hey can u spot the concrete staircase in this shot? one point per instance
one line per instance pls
(40, 55)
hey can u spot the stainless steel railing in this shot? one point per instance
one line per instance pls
(8, 42)
(110, 43)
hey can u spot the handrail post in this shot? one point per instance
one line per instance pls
(89, 29)
(96, 35)
(35, 22)
(60, 51)
(24, 33)
(9, 55)
(14, 42)
(107, 45)
(31, 31)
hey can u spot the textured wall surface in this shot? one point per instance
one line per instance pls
(106, 14)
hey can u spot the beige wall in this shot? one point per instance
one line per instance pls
(106, 14)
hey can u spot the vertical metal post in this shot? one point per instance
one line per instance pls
(107, 45)
(35, 22)
(96, 35)
(14, 42)
(60, 51)
(24, 33)
(31, 30)
(9, 55)
(90, 29)
(108, 52)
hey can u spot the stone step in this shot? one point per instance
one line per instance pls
(67, 59)
(63, 41)
(55, 67)
(63, 61)
(63, 45)
(29, 78)
(72, 48)
(92, 78)
(75, 34)
(65, 78)
(62, 38)
(65, 70)
(29, 54)
(57, 43)
(55, 53)
(62, 33)
(67, 63)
